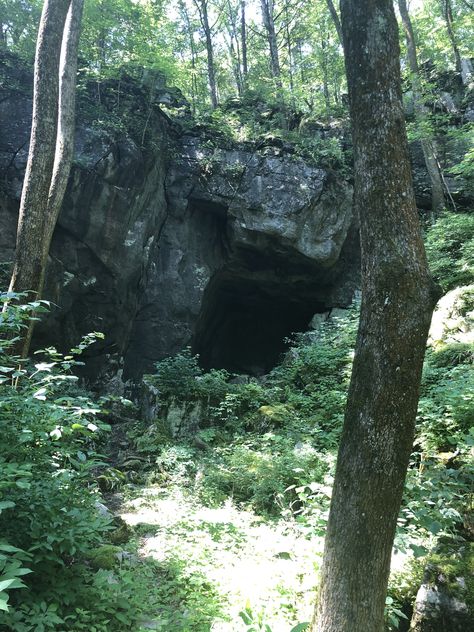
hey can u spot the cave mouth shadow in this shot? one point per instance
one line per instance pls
(244, 325)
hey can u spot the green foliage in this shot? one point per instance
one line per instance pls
(262, 472)
(181, 375)
(450, 249)
(49, 523)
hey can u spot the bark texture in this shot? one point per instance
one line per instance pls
(28, 270)
(269, 24)
(335, 18)
(427, 144)
(202, 6)
(243, 36)
(66, 120)
(51, 147)
(448, 17)
(398, 297)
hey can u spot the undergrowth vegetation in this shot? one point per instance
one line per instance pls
(249, 456)
(51, 524)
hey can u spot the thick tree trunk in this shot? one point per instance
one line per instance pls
(335, 18)
(437, 191)
(398, 297)
(28, 272)
(269, 24)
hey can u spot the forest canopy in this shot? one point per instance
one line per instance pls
(174, 38)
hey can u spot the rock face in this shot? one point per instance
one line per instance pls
(251, 247)
(226, 250)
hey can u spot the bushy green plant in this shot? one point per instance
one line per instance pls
(49, 521)
(450, 249)
(262, 473)
(181, 376)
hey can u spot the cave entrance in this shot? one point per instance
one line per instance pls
(244, 324)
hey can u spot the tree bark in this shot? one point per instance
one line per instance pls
(234, 46)
(66, 120)
(269, 24)
(202, 6)
(243, 37)
(185, 17)
(51, 146)
(28, 273)
(335, 18)
(398, 296)
(427, 146)
(448, 16)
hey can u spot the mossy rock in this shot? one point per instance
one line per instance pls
(105, 557)
(122, 533)
(445, 601)
(277, 414)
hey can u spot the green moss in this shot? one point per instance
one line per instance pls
(121, 534)
(452, 566)
(105, 557)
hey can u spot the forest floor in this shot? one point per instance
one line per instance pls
(213, 563)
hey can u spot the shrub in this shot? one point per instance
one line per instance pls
(49, 522)
(450, 249)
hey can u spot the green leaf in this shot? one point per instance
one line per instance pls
(300, 627)
(6, 583)
(4, 601)
(246, 617)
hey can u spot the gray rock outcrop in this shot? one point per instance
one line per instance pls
(227, 250)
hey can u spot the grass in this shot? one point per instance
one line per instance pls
(212, 563)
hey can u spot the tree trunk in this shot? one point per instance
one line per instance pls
(234, 47)
(66, 119)
(269, 24)
(243, 37)
(204, 16)
(325, 64)
(437, 192)
(50, 157)
(448, 16)
(398, 296)
(187, 21)
(289, 51)
(28, 272)
(335, 18)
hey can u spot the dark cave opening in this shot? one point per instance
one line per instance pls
(245, 324)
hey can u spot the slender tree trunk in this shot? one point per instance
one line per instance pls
(192, 47)
(28, 270)
(234, 47)
(288, 48)
(398, 297)
(66, 120)
(51, 150)
(325, 63)
(427, 144)
(335, 18)
(269, 24)
(448, 16)
(202, 6)
(243, 38)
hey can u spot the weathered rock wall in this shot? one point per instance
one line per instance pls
(184, 243)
